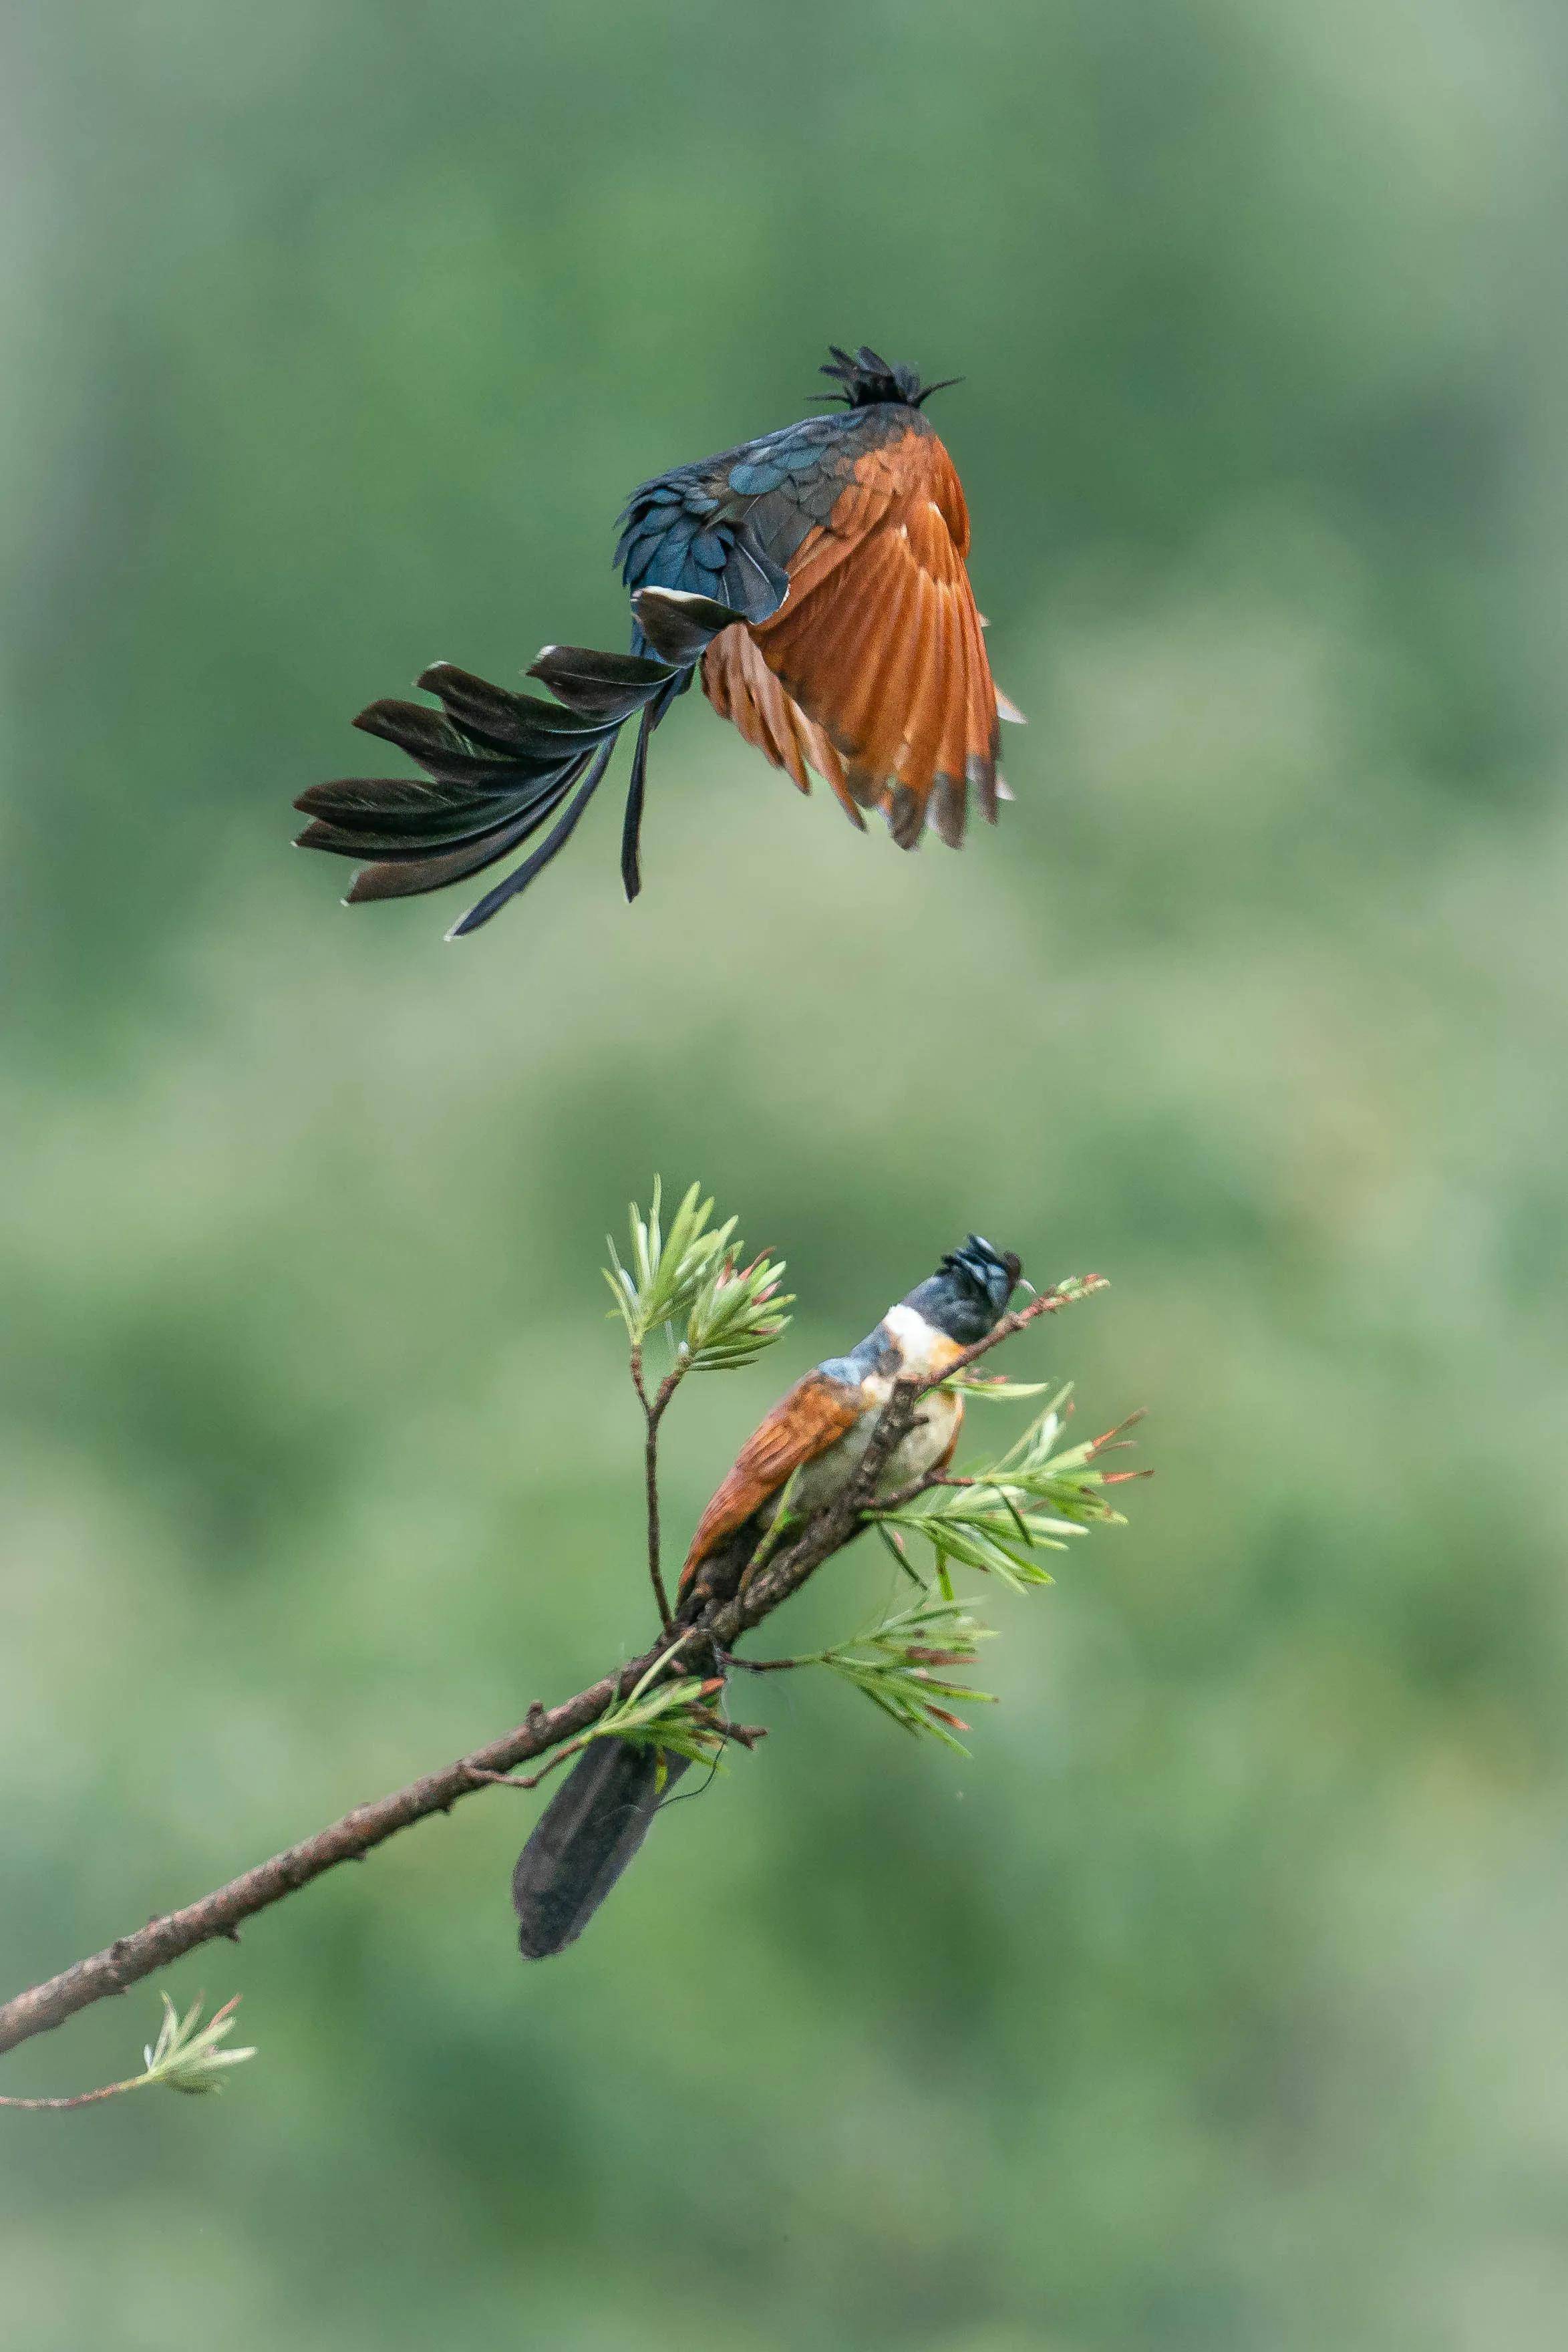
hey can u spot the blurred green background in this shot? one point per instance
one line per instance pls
(1219, 2001)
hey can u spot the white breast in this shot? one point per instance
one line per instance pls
(923, 1352)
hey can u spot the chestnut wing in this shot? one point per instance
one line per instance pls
(815, 1414)
(883, 683)
(741, 687)
(880, 644)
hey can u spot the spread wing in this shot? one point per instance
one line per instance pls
(882, 681)
(880, 644)
(815, 1414)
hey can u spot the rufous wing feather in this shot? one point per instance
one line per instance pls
(879, 646)
(741, 687)
(815, 1414)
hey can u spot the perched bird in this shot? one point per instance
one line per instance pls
(815, 577)
(815, 1436)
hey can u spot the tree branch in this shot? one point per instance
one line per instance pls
(130, 1957)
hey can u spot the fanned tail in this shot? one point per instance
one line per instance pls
(500, 766)
(584, 1839)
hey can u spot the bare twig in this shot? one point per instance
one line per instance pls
(187, 2055)
(653, 1415)
(167, 1939)
(1045, 1302)
(82, 2098)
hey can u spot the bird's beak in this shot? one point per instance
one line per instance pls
(1023, 1283)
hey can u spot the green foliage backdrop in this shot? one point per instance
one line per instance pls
(1216, 2002)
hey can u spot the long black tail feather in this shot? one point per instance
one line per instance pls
(498, 765)
(554, 842)
(631, 822)
(584, 1839)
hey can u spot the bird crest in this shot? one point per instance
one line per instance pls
(865, 378)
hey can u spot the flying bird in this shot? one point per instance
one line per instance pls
(816, 579)
(814, 1436)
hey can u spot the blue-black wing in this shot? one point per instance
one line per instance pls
(729, 527)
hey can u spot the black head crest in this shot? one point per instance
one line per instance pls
(976, 1261)
(866, 378)
(968, 1293)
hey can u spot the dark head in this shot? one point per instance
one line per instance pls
(866, 379)
(968, 1296)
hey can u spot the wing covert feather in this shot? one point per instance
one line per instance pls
(813, 1415)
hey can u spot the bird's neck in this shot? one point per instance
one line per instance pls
(924, 1350)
